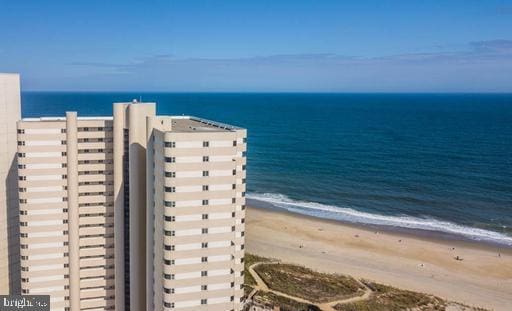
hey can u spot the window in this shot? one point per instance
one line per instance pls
(170, 189)
(233, 215)
(205, 173)
(169, 247)
(206, 144)
(204, 259)
(234, 186)
(204, 245)
(206, 159)
(168, 276)
(205, 188)
(204, 230)
(21, 131)
(244, 154)
(21, 155)
(205, 216)
(245, 139)
(204, 273)
(204, 287)
(170, 159)
(170, 233)
(205, 202)
(170, 218)
(234, 143)
(233, 200)
(170, 174)
(234, 172)
(169, 290)
(21, 143)
(170, 144)
(170, 203)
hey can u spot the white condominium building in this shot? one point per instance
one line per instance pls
(196, 212)
(65, 168)
(132, 212)
(9, 212)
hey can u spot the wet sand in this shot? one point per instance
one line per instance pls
(420, 262)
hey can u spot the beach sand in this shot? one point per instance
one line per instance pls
(420, 263)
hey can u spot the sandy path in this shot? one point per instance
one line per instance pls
(482, 278)
(328, 306)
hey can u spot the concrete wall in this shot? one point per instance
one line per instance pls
(65, 169)
(198, 217)
(9, 210)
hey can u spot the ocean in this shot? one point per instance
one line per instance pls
(434, 162)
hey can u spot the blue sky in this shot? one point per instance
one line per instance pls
(259, 45)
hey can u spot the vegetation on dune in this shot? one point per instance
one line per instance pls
(319, 288)
(387, 298)
(285, 304)
(308, 284)
(249, 260)
(247, 289)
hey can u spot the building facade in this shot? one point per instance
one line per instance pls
(196, 214)
(9, 212)
(132, 212)
(65, 171)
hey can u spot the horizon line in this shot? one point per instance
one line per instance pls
(276, 92)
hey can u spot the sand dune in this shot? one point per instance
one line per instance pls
(421, 263)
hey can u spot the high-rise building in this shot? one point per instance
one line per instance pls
(132, 212)
(66, 195)
(9, 212)
(196, 214)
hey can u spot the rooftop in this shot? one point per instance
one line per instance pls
(194, 124)
(52, 119)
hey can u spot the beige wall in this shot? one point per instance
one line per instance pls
(185, 244)
(131, 119)
(67, 211)
(9, 212)
(80, 176)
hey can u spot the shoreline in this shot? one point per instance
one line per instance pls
(419, 262)
(418, 233)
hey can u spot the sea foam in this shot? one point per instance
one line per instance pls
(403, 221)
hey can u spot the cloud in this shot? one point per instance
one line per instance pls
(481, 66)
(493, 47)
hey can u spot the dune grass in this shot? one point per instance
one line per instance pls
(285, 304)
(249, 260)
(308, 284)
(387, 298)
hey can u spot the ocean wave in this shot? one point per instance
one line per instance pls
(354, 216)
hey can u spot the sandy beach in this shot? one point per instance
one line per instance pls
(483, 276)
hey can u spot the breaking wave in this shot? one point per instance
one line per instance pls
(354, 216)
